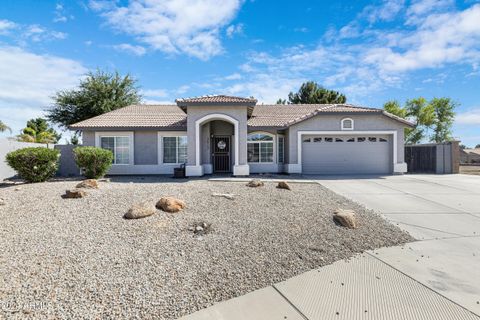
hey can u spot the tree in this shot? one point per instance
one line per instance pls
(281, 101)
(310, 93)
(444, 116)
(462, 147)
(4, 127)
(38, 130)
(417, 110)
(98, 93)
(477, 146)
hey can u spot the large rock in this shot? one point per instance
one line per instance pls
(74, 194)
(140, 210)
(88, 184)
(170, 204)
(255, 183)
(283, 185)
(346, 218)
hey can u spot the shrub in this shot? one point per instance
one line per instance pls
(94, 162)
(34, 164)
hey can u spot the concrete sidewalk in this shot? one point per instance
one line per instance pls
(437, 277)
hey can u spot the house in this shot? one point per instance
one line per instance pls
(470, 155)
(213, 134)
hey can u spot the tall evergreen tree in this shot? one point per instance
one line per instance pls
(312, 93)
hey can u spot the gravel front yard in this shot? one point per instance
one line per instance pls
(78, 258)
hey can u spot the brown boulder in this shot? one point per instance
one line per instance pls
(170, 204)
(88, 184)
(140, 210)
(255, 183)
(345, 218)
(74, 193)
(283, 185)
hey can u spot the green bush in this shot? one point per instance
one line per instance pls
(94, 162)
(34, 164)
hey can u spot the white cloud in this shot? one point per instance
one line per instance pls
(234, 76)
(60, 14)
(28, 80)
(301, 29)
(132, 49)
(191, 27)
(6, 26)
(155, 93)
(234, 29)
(386, 12)
(37, 33)
(471, 117)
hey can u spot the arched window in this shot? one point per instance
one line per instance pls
(347, 124)
(260, 147)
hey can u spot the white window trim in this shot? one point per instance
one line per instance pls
(298, 168)
(110, 134)
(346, 119)
(162, 134)
(273, 146)
(278, 148)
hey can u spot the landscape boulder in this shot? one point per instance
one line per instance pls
(140, 210)
(255, 183)
(170, 204)
(345, 218)
(74, 194)
(88, 184)
(283, 185)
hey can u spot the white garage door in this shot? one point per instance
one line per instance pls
(371, 154)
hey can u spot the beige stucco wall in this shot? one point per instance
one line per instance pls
(195, 113)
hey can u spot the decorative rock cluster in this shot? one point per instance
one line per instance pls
(200, 228)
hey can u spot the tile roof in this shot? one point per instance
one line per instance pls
(215, 99)
(289, 114)
(173, 117)
(143, 116)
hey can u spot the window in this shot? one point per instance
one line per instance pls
(347, 124)
(328, 139)
(281, 149)
(260, 147)
(307, 140)
(372, 139)
(120, 147)
(175, 149)
(317, 139)
(351, 140)
(382, 140)
(338, 140)
(361, 139)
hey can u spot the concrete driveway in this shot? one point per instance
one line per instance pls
(436, 277)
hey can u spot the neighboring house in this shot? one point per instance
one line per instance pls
(212, 134)
(470, 155)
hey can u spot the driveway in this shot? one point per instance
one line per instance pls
(436, 277)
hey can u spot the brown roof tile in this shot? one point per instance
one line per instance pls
(142, 116)
(216, 99)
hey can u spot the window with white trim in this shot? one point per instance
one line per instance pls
(347, 124)
(281, 149)
(260, 148)
(175, 149)
(119, 146)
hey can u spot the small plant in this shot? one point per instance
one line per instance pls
(34, 164)
(94, 162)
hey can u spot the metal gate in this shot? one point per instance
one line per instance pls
(221, 153)
(421, 159)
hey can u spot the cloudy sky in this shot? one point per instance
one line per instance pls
(372, 51)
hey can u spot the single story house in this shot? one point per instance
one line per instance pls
(470, 155)
(218, 133)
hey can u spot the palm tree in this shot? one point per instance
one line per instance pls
(4, 127)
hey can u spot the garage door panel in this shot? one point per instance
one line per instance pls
(347, 157)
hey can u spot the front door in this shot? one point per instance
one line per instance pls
(221, 153)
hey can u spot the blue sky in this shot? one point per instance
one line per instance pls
(372, 51)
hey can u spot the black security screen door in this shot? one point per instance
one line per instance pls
(221, 154)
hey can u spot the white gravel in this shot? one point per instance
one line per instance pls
(77, 258)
